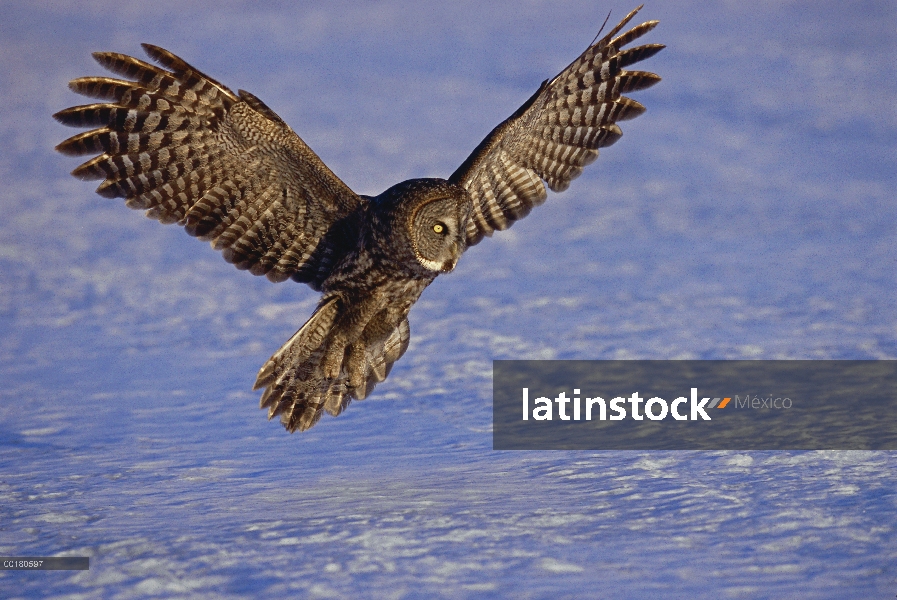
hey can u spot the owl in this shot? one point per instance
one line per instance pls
(174, 142)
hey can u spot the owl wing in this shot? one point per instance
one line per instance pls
(556, 132)
(187, 149)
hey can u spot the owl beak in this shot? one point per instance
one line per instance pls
(449, 265)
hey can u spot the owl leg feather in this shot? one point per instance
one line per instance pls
(326, 364)
(359, 324)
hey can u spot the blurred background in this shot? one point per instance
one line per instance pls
(748, 214)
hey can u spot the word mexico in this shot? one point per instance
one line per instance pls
(692, 405)
(655, 409)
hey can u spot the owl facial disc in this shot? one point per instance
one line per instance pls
(435, 230)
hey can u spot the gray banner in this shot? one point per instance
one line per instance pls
(695, 405)
(44, 563)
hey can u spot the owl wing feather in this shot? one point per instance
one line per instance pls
(556, 132)
(185, 148)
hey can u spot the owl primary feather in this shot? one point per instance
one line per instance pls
(174, 142)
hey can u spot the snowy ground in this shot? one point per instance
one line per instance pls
(748, 214)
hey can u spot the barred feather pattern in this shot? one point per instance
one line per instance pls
(556, 133)
(296, 388)
(183, 147)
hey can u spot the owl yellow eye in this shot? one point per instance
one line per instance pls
(438, 227)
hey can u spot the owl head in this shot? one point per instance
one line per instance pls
(431, 214)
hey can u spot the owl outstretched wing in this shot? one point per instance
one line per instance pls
(185, 148)
(556, 132)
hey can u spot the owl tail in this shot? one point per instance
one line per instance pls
(297, 388)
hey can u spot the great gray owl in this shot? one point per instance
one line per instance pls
(185, 148)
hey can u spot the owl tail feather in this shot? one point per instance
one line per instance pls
(297, 388)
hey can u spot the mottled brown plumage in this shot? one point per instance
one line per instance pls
(178, 144)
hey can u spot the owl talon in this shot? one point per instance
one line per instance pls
(332, 365)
